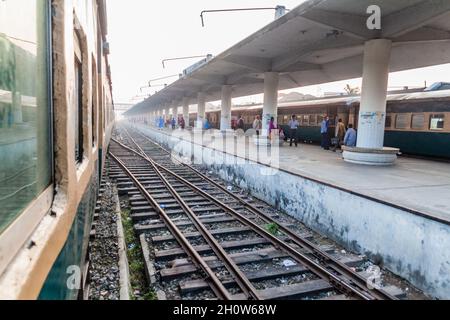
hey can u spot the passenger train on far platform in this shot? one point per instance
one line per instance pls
(418, 123)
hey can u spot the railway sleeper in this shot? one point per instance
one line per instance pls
(190, 201)
(208, 219)
(153, 215)
(165, 255)
(192, 286)
(162, 194)
(183, 194)
(176, 206)
(193, 235)
(183, 267)
(185, 223)
(292, 291)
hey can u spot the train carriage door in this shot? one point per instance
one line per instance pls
(353, 115)
(332, 112)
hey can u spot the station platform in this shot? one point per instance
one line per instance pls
(418, 186)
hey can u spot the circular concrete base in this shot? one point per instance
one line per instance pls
(372, 157)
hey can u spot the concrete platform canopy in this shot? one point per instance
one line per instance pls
(319, 41)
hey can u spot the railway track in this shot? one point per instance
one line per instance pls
(211, 242)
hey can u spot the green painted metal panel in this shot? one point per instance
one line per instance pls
(74, 251)
(309, 133)
(434, 144)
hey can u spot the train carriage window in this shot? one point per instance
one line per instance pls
(312, 120)
(25, 105)
(417, 121)
(320, 119)
(280, 120)
(94, 104)
(401, 121)
(78, 101)
(437, 122)
(388, 123)
(305, 120)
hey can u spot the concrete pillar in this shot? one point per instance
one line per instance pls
(186, 111)
(270, 109)
(225, 115)
(201, 110)
(372, 114)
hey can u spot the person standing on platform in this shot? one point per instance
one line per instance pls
(350, 137)
(240, 124)
(233, 124)
(173, 123)
(182, 123)
(206, 125)
(273, 128)
(339, 134)
(257, 125)
(324, 131)
(293, 127)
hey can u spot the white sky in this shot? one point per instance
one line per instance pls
(144, 32)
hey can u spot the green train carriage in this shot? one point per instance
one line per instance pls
(417, 123)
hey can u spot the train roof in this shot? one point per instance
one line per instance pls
(349, 100)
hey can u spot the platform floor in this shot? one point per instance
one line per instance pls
(421, 186)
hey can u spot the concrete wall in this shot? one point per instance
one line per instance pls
(411, 246)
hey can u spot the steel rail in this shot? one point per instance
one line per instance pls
(244, 284)
(314, 267)
(326, 258)
(212, 279)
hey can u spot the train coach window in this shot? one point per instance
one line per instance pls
(25, 105)
(305, 119)
(320, 119)
(401, 121)
(78, 101)
(94, 104)
(417, 121)
(312, 120)
(437, 122)
(388, 122)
